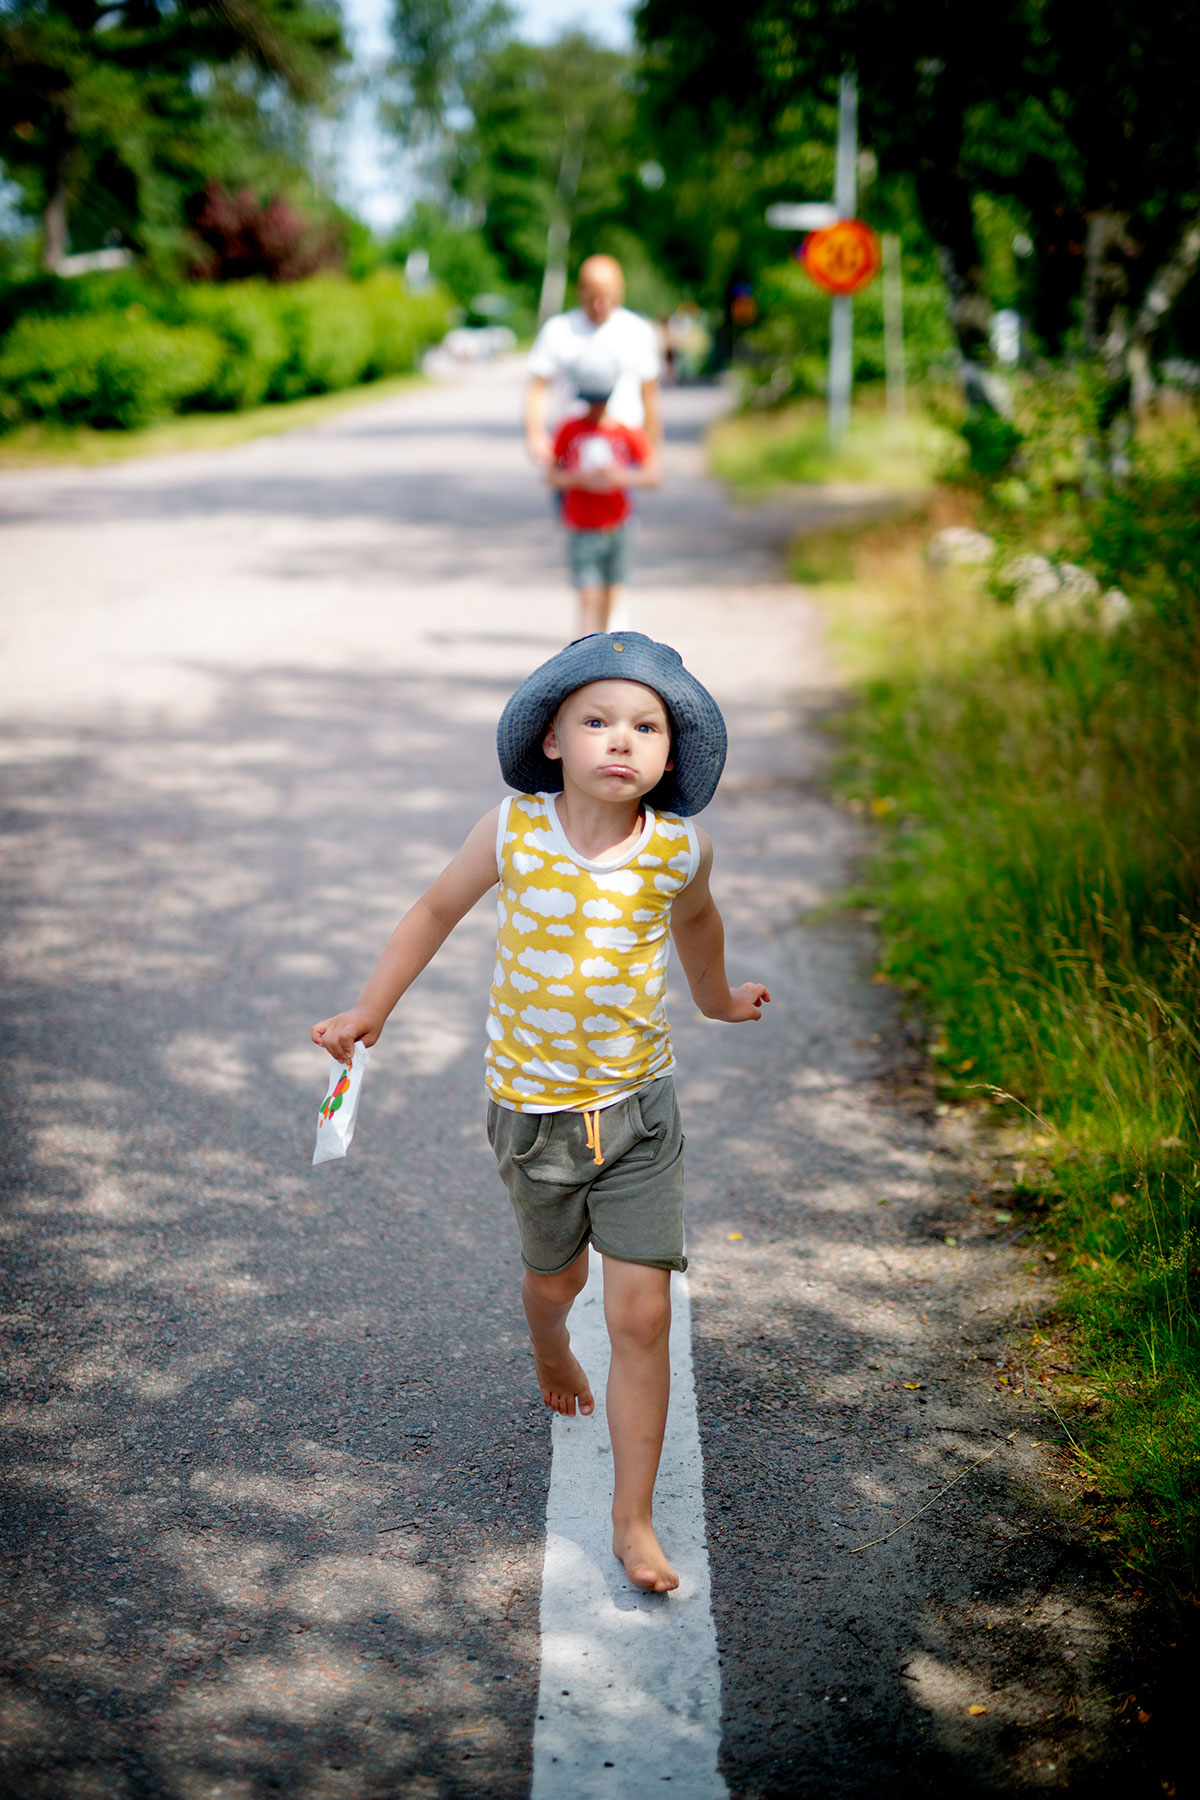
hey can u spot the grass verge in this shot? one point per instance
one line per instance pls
(755, 452)
(39, 446)
(1036, 883)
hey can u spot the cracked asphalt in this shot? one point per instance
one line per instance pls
(275, 1462)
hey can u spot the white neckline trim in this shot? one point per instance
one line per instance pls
(568, 849)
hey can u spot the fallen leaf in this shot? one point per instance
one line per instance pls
(951, 1243)
(1001, 1217)
(976, 1711)
(911, 1385)
(734, 1236)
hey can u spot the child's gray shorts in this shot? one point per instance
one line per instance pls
(599, 558)
(629, 1204)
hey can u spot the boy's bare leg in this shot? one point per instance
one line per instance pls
(637, 1310)
(548, 1300)
(594, 606)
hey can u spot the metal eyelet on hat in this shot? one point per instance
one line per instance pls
(618, 646)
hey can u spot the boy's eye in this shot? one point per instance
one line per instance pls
(599, 722)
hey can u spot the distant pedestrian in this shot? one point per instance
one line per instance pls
(596, 461)
(612, 746)
(601, 325)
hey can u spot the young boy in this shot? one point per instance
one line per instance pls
(595, 462)
(611, 745)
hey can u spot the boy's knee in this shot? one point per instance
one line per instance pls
(561, 1288)
(642, 1321)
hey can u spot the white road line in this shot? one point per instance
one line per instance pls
(630, 1691)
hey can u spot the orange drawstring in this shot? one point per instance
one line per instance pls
(591, 1124)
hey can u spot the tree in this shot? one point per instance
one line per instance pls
(1089, 133)
(106, 108)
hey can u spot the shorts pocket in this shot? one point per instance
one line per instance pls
(541, 1138)
(637, 1120)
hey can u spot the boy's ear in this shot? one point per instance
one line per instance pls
(550, 745)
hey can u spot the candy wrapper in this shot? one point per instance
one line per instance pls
(335, 1120)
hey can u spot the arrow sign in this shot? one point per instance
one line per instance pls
(803, 215)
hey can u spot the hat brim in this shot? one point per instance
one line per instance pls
(699, 740)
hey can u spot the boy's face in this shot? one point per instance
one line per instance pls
(613, 739)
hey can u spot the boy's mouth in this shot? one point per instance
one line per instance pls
(617, 769)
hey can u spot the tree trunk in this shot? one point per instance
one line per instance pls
(1159, 298)
(55, 238)
(558, 237)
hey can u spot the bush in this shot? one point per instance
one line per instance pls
(254, 345)
(787, 354)
(403, 325)
(329, 338)
(82, 352)
(113, 370)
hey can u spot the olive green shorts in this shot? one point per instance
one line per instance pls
(630, 1204)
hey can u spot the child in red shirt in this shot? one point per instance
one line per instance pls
(595, 463)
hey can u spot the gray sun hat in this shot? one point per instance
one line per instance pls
(595, 374)
(698, 730)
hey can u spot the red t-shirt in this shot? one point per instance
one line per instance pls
(581, 445)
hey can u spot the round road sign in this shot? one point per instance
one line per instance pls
(843, 258)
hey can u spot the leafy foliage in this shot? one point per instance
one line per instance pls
(220, 347)
(113, 114)
(243, 237)
(110, 370)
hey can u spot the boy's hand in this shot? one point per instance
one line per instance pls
(745, 1003)
(340, 1034)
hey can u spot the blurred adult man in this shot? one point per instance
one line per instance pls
(599, 327)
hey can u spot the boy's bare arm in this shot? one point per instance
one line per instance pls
(700, 941)
(415, 942)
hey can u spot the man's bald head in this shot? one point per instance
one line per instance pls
(601, 287)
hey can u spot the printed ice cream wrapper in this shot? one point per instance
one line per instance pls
(335, 1119)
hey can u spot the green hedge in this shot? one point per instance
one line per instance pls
(118, 352)
(111, 370)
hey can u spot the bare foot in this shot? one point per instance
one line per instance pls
(563, 1382)
(646, 1566)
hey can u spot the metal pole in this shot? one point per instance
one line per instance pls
(841, 309)
(893, 324)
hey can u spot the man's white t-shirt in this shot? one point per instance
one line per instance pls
(625, 338)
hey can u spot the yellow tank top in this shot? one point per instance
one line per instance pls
(577, 1018)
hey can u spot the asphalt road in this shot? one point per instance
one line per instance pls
(276, 1465)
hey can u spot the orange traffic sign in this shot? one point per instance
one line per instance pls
(843, 258)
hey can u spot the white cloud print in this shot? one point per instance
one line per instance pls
(667, 884)
(522, 922)
(524, 984)
(600, 909)
(540, 840)
(552, 1071)
(601, 1022)
(521, 1086)
(668, 829)
(618, 1047)
(620, 881)
(525, 865)
(546, 962)
(548, 903)
(620, 995)
(548, 1017)
(565, 868)
(646, 861)
(611, 937)
(598, 965)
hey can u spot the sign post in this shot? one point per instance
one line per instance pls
(841, 307)
(841, 256)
